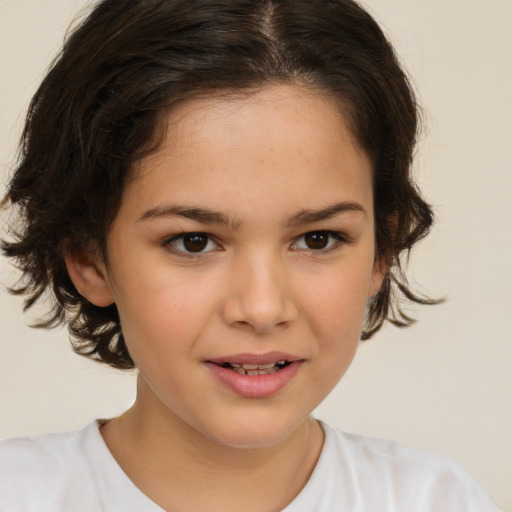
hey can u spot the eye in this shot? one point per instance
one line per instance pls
(319, 240)
(192, 243)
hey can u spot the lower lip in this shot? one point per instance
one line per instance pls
(255, 386)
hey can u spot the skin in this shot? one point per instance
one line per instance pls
(260, 161)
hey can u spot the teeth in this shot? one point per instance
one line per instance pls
(255, 369)
(249, 366)
(266, 366)
(258, 366)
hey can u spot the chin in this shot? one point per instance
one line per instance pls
(254, 433)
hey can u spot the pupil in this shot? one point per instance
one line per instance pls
(317, 240)
(195, 243)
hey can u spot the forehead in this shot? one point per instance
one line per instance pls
(257, 116)
(281, 141)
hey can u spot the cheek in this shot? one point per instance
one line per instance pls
(337, 307)
(166, 314)
(336, 317)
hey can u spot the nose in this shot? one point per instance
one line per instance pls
(259, 296)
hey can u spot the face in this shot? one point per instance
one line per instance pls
(241, 261)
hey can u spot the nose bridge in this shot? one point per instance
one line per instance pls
(260, 295)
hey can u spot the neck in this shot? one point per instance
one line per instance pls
(180, 468)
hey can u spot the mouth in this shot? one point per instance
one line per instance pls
(255, 369)
(255, 375)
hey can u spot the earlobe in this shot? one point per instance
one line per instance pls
(88, 276)
(380, 271)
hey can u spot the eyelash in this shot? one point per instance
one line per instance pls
(170, 244)
(335, 239)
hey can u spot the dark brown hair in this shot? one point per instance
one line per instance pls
(97, 112)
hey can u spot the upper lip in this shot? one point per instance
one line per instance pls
(259, 359)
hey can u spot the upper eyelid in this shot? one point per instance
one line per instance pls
(332, 232)
(338, 235)
(167, 241)
(183, 234)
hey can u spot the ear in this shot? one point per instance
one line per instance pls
(89, 276)
(383, 261)
(380, 270)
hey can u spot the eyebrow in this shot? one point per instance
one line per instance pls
(311, 216)
(202, 215)
(207, 216)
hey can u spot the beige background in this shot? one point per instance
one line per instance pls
(444, 385)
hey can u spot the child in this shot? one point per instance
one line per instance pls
(219, 194)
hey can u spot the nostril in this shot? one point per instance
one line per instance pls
(259, 308)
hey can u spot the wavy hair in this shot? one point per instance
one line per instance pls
(98, 108)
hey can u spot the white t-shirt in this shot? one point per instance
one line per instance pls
(75, 472)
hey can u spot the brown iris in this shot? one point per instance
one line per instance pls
(195, 243)
(317, 240)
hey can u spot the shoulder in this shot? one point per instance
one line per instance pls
(52, 449)
(45, 472)
(400, 475)
(378, 455)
